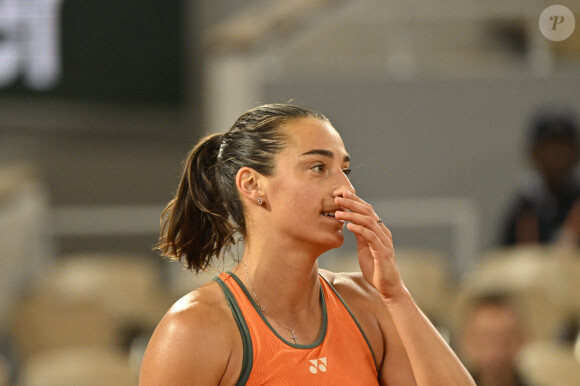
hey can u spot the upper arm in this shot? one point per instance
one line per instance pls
(192, 344)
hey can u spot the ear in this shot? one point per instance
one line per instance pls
(248, 183)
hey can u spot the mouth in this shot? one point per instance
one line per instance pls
(331, 214)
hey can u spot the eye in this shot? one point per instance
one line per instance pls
(346, 171)
(319, 168)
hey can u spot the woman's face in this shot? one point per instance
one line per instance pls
(309, 173)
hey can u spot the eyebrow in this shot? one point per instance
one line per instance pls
(325, 153)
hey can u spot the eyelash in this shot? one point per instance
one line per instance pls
(318, 168)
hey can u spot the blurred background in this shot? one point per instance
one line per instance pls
(101, 100)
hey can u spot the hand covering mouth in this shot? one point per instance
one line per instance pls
(331, 212)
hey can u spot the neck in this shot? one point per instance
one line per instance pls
(284, 282)
(282, 272)
(288, 297)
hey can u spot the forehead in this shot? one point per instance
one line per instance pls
(310, 133)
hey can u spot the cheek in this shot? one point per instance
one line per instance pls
(292, 196)
(300, 200)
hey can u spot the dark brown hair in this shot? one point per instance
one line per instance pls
(206, 214)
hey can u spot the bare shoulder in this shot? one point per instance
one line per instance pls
(196, 342)
(352, 287)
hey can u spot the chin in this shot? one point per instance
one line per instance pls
(334, 242)
(320, 242)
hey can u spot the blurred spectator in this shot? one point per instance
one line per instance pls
(546, 208)
(490, 338)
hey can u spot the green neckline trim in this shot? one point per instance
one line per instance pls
(247, 361)
(355, 321)
(321, 335)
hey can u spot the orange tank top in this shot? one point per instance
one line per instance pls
(341, 355)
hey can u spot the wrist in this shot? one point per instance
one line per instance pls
(396, 295)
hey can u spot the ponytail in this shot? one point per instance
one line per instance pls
(206, 214)
(195, 225)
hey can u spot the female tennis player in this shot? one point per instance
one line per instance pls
(278, 181)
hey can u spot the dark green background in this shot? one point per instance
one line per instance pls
(127, 52)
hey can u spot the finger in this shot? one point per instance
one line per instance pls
(362, 230)
(386, 230)
(375, 243)
(366, 221)
(354, 197)
(358, 205)
(369, 207)
(355, 205)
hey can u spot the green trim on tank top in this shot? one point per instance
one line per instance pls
(355, 321)
(323, 328)
(247, 361)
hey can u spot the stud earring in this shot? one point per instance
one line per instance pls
(259, 200)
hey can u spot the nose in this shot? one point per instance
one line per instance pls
(343, 184)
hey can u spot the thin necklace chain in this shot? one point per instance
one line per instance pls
(263, 309)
